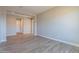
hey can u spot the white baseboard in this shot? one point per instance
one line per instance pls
(3, 41)
(70, 43)
(11, 34)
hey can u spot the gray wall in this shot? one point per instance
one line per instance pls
(61, 23)
(11, 25)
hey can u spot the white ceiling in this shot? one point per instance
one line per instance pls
(28, 10)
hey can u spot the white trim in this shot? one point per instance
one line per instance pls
(3, 41)
(70, 43)
(11, 34)
(35, 25)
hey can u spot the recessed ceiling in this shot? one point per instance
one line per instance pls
(29, 10)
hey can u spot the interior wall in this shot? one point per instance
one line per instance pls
(61, 23)
(2, 25)
(11, 25)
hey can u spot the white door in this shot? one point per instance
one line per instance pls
(27, 25)
(17, 26)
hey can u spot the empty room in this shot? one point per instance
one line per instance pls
(39, 29)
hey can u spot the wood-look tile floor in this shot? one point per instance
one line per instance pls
(35, 44)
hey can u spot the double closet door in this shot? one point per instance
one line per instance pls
(23, 25)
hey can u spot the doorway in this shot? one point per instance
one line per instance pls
(23, 25)
(17, 24)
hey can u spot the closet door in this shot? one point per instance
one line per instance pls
(27, 25)
(18, 25)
